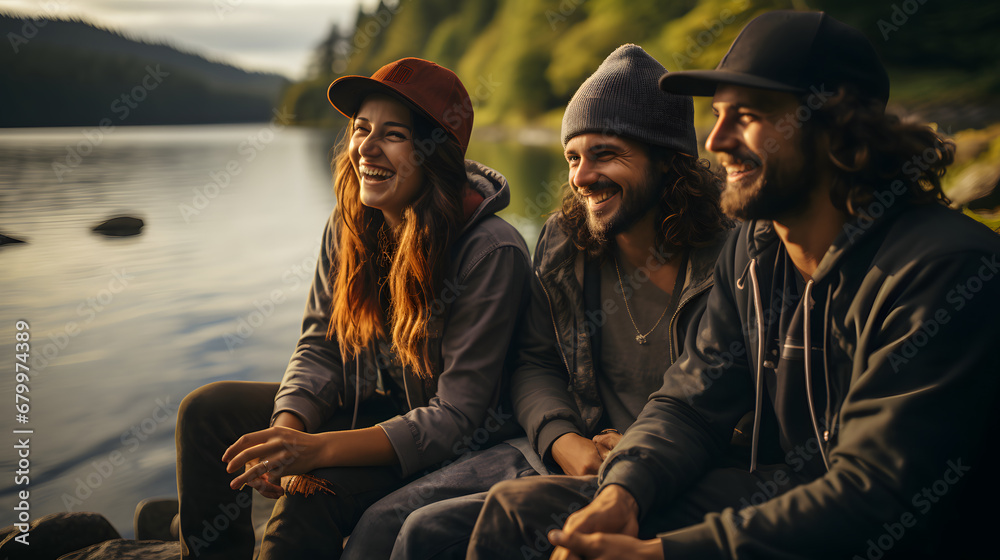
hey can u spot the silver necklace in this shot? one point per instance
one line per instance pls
(639, 337)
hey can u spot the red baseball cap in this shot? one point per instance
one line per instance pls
(433, 90)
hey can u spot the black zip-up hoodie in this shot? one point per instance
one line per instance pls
(880, 394)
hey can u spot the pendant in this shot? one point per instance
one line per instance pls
(640, 339)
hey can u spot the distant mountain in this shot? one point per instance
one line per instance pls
(71, 73)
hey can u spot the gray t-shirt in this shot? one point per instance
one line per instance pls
(631, 371)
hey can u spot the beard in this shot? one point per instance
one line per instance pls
(782, 190)
(634, 206)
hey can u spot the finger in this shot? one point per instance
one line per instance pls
(270, 490)
(246, 441)
(561, 553)
(248, 455)
(576, 544)
(249, 476)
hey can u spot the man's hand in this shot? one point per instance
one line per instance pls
(614, 511)
(606, 441)
(576, 454)
(604, 546)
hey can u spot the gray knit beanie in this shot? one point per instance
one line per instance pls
(623, 97)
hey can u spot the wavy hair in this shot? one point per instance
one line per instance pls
(869, 149)
(688, 211)
(385, 280)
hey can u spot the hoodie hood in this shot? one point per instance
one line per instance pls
(487, 193)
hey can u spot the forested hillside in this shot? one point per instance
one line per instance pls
(522, 59)
(70, 73)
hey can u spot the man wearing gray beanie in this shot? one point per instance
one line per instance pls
(622, 274)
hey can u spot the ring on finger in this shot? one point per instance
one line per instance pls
(267, 465)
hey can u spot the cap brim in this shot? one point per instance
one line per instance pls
(704, 82)
(347, 92)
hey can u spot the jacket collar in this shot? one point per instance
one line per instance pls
(761, 237)
(486, 194)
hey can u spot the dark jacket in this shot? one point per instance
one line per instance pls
(485, 291)
(554, 387)
(896, 398)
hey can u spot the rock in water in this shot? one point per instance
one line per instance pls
(4, 240)
(120, 226)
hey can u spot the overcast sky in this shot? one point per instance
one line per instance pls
(265, 35)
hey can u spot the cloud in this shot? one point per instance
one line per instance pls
(264, 35)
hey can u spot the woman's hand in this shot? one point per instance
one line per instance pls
(269, 454)
(269, 484)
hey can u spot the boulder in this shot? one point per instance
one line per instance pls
(55, 535)
(4, 240)
(119, 226)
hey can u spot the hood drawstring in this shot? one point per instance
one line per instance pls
(406, 389)
(828, 415)
(357, 390)
(807, 343)
(758, 404)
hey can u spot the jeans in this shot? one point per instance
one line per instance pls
(412, 512)
(518, 514)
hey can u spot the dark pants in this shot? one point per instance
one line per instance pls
(518, 514)
(375, 536)
(215, 520)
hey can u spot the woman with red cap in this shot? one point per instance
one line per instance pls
(401, 360)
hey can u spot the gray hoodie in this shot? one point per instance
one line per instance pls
(485, 291)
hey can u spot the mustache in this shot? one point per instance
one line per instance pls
(598, 185)
(740, 157)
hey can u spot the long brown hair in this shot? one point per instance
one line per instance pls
(385, 280)
(869, 149)
(688, 211)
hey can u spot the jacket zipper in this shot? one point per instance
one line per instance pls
(677, 312)
(555, 327)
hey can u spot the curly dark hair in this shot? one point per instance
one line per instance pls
(872, 150)
(689, 212)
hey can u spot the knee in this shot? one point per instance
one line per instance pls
(205, 401)
(510, 492)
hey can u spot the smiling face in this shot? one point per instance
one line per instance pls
(614, 179)
(759, 143)
(383, 156)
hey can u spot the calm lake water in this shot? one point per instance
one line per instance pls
(213, 289)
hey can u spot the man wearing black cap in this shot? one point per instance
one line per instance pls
(851, 313)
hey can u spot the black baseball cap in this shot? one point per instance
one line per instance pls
(791, 51)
